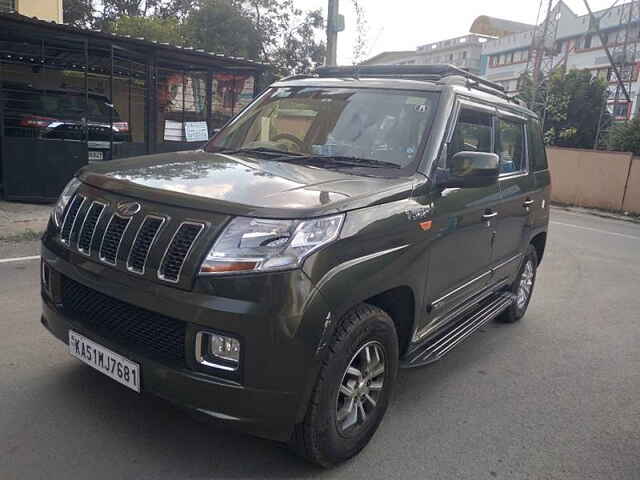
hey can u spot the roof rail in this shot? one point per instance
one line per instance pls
(415, 72)
(298, 76)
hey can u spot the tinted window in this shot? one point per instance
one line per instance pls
(510, 145)
(472, 132)
(537, 151)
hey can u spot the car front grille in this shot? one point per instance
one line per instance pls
(89, 227)
(142, 245)
(68, 224)
(112, 238)
(178, 250)
(150, 334)
(146, 245)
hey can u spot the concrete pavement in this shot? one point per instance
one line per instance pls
(556, 396)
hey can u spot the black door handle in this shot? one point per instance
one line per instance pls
(527, 203)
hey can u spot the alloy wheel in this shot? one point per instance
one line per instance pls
(526, 284)
(361, 387)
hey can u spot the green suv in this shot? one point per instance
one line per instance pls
(344, 225)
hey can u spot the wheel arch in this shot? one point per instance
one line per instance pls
(399, 303)
(539, 242)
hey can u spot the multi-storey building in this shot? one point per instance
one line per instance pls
(43, 9)
(577, 45)
(464, 51)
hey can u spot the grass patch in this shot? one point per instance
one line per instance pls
(27, 236)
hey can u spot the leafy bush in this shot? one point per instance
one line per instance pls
(625, 137)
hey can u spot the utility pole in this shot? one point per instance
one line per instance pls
(335, 24)
(542, 54)
(622, 58)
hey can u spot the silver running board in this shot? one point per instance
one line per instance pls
(436, 348)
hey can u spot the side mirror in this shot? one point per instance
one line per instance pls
(471, 170)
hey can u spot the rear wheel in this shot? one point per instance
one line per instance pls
(522, 287)
(353, 388)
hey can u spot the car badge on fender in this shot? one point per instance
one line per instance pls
(419, 213)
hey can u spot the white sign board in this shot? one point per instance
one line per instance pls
(196, 131)
(173, 131)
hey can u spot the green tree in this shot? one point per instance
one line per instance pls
(78, 13)
(222, 26)
(272, 31)
(161, 29)
(289, 36)
(574, 106)
(625, 137)
(570, 105)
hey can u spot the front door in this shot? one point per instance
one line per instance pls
(516, 185)
(460, 253)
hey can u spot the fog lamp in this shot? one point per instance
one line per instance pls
(217, 351)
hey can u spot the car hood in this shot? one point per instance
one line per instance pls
(242, 185)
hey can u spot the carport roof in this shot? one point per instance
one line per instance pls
(188, 53)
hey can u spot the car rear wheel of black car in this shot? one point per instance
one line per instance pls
(353, 388)
(522, 287)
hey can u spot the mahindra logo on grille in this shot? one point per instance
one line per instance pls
(128, 209)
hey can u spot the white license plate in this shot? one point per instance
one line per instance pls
(104, 360)
(95, 156)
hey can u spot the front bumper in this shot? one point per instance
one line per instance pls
(269, 393)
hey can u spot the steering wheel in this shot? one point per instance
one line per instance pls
(285, 136)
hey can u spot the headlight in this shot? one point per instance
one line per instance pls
(258, 245)
(63, 200)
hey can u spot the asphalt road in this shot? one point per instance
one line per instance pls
(556, 396)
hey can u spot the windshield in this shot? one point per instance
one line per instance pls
(370, 124)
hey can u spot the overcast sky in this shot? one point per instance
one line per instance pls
(405, 24)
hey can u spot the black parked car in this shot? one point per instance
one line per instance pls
(344, 225)
(58, 114)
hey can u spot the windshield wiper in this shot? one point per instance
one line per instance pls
(339, 160)
(271, 152)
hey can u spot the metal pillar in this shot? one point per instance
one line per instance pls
(332, 33)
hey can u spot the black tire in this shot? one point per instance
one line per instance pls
(320, 438)
(517, 310)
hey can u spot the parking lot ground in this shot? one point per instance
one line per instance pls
(555, 396)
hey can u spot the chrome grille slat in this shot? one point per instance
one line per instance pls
(70, 218)
(178, 251)
(88, 229)
(143, 243)
(112, 239)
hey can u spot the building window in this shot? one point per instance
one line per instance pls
(464, 55)
(7, 5)
(587, 41)
(620, 110)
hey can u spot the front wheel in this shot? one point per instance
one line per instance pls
(522, 287)
(353, 388)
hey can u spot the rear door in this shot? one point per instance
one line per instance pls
(460, 252)
(516, 186)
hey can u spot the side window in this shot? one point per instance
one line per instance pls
(472, 133)
(510, 145)
(538, 154)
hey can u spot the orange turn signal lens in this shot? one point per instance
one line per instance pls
(425, 225)
(223, 267)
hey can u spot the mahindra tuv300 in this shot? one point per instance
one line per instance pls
(344, 225)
